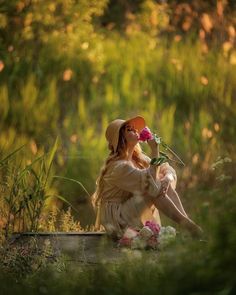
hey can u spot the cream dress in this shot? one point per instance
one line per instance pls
(123, 200)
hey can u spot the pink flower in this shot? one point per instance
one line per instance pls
(145, 134)
(153, 226)
(128, 236)
(130, 233)
(124, 242)
(147, 236)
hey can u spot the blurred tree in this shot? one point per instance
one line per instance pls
(208, 20)
(117, 11)
(40, 35)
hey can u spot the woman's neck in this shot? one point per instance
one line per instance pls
(129, 153)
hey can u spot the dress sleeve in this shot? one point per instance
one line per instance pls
(165, 168)
(134, 180)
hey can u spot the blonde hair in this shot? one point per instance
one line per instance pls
(138, 157)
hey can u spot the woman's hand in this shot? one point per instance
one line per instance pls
(153, 144)
(154, 148)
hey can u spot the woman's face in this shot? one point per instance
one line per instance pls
(131, 135)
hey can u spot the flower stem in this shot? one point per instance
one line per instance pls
(160, 141)
(169, 149)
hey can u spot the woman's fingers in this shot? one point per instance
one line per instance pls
(152, 143)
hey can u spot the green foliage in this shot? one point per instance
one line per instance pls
(28, 259)
(50, 29)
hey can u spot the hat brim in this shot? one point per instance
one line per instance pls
(136, 122)
(113, 130)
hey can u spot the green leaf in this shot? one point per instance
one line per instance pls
(10, 155)
(51, 157)
(28, 168)
(159, 161)
(52, 153)
(157, 139)
(164, 155)
(163, 160)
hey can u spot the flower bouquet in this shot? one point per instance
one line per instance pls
(150, 236)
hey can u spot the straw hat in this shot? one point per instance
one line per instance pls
(113, 129)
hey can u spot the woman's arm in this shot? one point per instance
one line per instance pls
(154, 154)
(131, 179)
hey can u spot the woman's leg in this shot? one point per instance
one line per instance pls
(167, 206)
(173, 195)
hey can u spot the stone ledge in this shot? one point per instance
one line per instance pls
(57, 233)
(86, 247)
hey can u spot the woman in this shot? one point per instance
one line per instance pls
(130, 189)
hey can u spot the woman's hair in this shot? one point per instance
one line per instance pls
(138, 157)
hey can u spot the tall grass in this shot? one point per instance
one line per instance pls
(24, 190)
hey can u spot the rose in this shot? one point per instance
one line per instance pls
(124, 242)
(145, 134)
(153, 226)
(151, 235)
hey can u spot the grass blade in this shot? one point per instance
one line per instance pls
(73, 180)
(10, 155)
(63, 199)
(51, 157)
